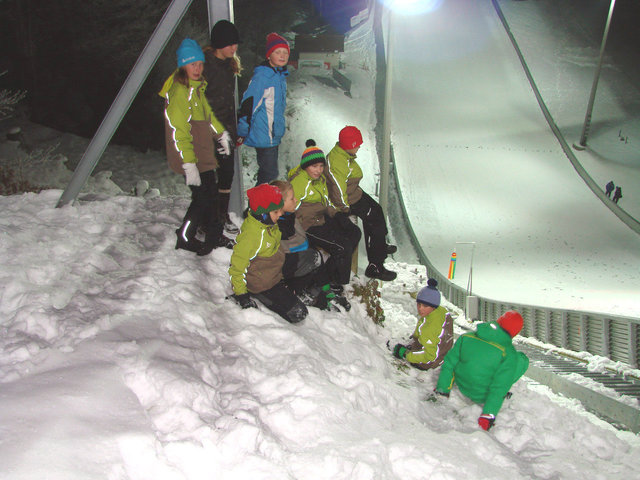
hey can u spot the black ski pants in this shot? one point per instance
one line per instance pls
(203, 210)
(339, 239)
(374, 227)
(284, 302)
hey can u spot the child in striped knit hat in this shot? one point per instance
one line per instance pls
(326, 228)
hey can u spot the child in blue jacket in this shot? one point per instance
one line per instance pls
(261, 121)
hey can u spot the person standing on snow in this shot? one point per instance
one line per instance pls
(433, 336)
(343, 180)
(617, 195)
(484, 365)
(609, 188)
(191, 130)
(261, 122)
(220, 70)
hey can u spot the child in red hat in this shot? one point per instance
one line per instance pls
(261, 122)
(343, 179)
(257, 261)
(485, 365)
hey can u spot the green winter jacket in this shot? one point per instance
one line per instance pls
(434, 336)
(257, 260)
(190, 126)
(343, 178)
(313, 198)
(484, 365)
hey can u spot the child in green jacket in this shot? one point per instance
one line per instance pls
(190, 131)
(485, 365)
(433, 336)
(326, 228)
(343, 181)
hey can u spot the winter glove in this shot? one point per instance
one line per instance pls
(486, 420)
(244, 300)
(192, 174)
(438, 392)
(343, 220)
(239, 141)
(224, 144)
(399, 351)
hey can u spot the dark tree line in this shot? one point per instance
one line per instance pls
(72, 56)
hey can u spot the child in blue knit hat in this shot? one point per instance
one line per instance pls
(192, 133)
(433, 335)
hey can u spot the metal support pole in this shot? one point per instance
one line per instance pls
(386, 128)
(223, 10)
(127, 93)
(587, 119)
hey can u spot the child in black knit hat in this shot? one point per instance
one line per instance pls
(220, 69)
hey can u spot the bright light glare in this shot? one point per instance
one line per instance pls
(412, 7)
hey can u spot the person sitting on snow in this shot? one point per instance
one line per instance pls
(485, 365)
(257, 260)
(433, 336)
(343, 176)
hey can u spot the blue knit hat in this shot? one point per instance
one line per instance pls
(429, 295)
(188, 52)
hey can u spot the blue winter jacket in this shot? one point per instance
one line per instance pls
(261, 116)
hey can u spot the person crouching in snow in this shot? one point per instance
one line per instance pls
(433, 336)
(485, 365)
(343, 180)
(190, 130)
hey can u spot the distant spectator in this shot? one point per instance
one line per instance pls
(609, 188)
(484, 365)
(617, 195)
(433, 336)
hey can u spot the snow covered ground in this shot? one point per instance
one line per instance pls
(121, 359)
(478, 162)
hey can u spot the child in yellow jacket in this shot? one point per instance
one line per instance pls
(433, 336)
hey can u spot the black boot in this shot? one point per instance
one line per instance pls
(391, 249)
(186, 237)
(378, 271)
(223, 214)
(211, 239)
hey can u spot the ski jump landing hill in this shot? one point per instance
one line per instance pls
(476, 161)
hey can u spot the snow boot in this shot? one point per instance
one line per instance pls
(186, 237)
(211, 239)
(223, 213)
(379, 272)
(391, 249)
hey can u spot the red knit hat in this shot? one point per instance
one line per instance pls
(264, 198)
(349, 137)
(275, 41)
(512, 322)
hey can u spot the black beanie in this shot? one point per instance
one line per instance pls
(224, 33)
